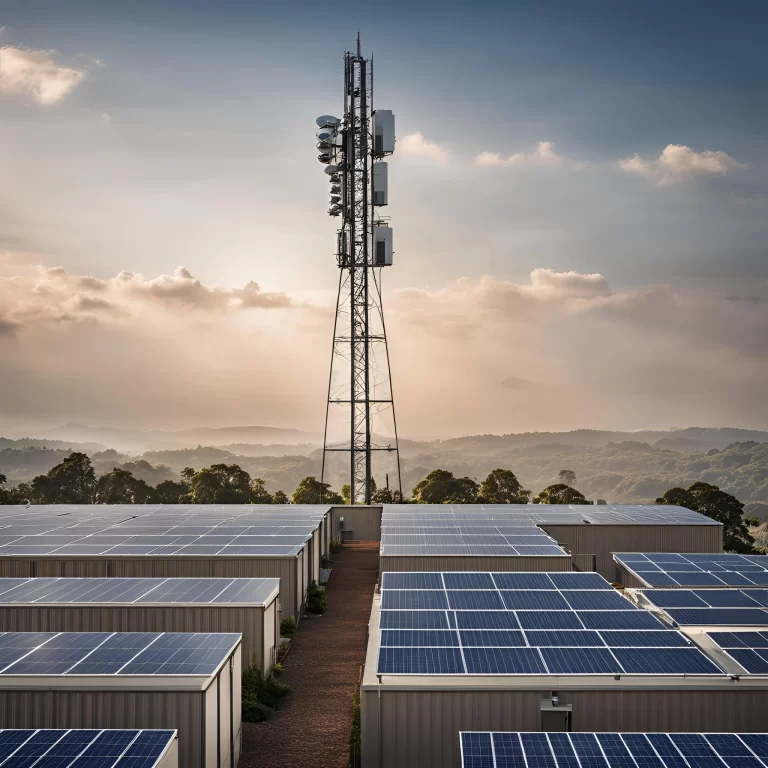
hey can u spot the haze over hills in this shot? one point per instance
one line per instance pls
(620, 467)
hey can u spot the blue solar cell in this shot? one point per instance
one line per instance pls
(579, 581)
(563, 750)
(487, 638)
(641, 750)
(508, 752)
(758, 595)
(659, 579)
(503, 661)
(723, 616)
(408, 638)
(537, 751)
(733, 579)
(420, 661)
(726, 598)
(588, 750)
(522, 581)
(564, 638)
(649, 638)
(413, 600)
(672, 661)
(534, 600)
(477, 600)
(755, 662)
(597, 600)
(757, 742)
(615, 750)
(413, 620)
(578, 661)
(549, 620)
(476, 750)
(728, 744)
(619, 620)
(692, 745)
(696, 579)
(468, 581)
(674, 598)
(483, 620)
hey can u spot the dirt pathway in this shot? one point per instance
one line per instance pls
(313, 726)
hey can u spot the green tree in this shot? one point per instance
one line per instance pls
(387, 496)
(311, 491)
(709, 500)
(170, 492)
(187, 474)
(219, 484)
(259, 493)
(346, 493)
(280, 497)
(560, 493)
(71, 482)
(441, 487)
(567, 477)
(120, 487)
(502, 487)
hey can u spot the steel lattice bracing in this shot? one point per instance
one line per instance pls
(359, 386)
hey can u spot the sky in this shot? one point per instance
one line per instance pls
(579, 197)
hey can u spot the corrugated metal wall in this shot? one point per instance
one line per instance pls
(181, 710)
(284, 568)
(248, 620)
(362, 523)
(626, 579)
(604, 540)
(420, 729)
(720, 711)
(472, 563)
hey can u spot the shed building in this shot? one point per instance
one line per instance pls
(92, 748)
(247, 606)
(190, 683)
(468, 536)
(450, 652)
(169, 541)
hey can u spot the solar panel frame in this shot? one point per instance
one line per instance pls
(695, 569)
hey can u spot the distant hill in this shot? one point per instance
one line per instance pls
(137, 440)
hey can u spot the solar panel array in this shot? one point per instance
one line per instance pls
(524, 624)
(710, 607)
(750, 649)
(140, 591)
(613, 750)
(506, 530)
(696, 570)
(82, 748)
(158, 530)
(113, 653)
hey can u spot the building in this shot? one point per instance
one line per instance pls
(612, 750)
(475, 651)
(527, 537)
(94, 748)
(190, 683)
(247, 606)
(169, 541)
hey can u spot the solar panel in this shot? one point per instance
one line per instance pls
(749, 649)
(735, 617)
(79, 748)
(526, 631)
(612, 750)
(120, 653)
(696, 570)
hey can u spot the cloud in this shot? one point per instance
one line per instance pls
(594, 356)
(544, 156)
(678, 163)
(54, 295)
(416, 145)
(36, 74)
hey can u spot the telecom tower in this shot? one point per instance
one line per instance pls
(359, 386)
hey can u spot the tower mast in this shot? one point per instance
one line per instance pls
(360, 388)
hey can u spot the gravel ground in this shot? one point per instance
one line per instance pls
(323, 666)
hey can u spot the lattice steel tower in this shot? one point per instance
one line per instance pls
(359, 385)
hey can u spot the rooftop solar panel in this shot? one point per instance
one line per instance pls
(526, 631)
(733, 617)
(612, 750)
(52, 654)
(80, 748)
(135, 591)
(749, 649)
(696, 569)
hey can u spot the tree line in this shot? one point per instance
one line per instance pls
(74, 481)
